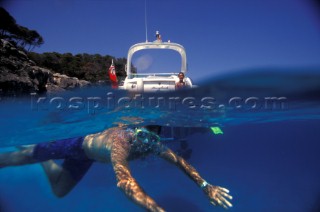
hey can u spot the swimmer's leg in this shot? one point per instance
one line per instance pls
(126, 182)
(22, 156)
(64, 178)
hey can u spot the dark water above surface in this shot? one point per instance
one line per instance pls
(268, 156)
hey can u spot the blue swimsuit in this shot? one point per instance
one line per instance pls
(75, 160)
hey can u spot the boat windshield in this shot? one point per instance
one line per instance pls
(156, 62)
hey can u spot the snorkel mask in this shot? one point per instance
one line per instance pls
(144, 136)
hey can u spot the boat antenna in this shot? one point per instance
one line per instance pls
(145, 19)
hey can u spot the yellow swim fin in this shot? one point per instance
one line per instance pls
(216, 130)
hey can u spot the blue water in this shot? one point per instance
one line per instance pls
(268, 156)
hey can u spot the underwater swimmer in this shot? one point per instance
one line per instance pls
(116, 145)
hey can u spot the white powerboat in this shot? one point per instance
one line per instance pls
(155, 82)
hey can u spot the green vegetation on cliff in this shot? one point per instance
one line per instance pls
(88, 67)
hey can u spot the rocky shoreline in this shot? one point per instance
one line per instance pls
(19, 75)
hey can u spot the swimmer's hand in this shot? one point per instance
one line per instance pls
(218, 196)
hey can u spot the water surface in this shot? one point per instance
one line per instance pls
(267, 157)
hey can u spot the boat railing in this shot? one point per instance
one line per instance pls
(146, 75)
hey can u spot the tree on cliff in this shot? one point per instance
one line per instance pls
(7, 23)
(22, 36)
(92, 68)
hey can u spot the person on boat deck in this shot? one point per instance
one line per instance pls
(158, 36)
(117, 146)
(181, 83)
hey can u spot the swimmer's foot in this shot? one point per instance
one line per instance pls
(184, 144)
(218, 196)
(2, 161)
(187, 154)
(23, 147)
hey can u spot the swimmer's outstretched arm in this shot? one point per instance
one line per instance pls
(119, 154)
(217, 195)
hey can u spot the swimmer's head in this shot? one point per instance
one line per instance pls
(142, 135)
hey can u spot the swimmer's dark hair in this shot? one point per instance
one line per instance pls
(154, 128)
